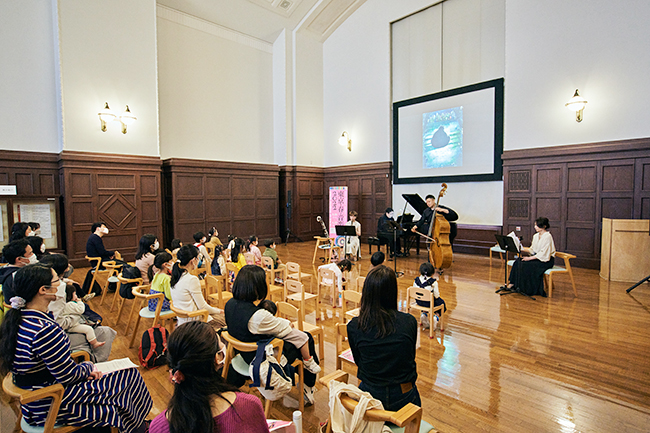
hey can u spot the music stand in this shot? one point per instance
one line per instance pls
(345, 231)
(396, 227)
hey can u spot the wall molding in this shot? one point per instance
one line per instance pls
(211, 28)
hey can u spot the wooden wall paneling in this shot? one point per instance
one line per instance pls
(122, 191)
(596, 180)
(237, 198)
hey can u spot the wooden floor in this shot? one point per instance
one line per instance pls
(505, 363)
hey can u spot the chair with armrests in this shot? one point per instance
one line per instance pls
(142, 298)
(215, 288)
(355, 298)
(209, 246)
(250, 258)
(327, 283)
(95, 264)
(294, 273)
(294, 292)
(548, 274)
(230, 267)
(414, 294)
(54, 392)
(406, 420)
(197, 272)
(272, 273)
(203, 314)
(294, 314)
(118, 299)
(171, 254)
(237, 362)
(343, 354)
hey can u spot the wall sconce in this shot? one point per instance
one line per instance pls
(106, 115)
(345, 140)
(577, 104)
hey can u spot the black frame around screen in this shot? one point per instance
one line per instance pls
(497, 173)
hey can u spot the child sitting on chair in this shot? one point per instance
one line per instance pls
(71, 318)
(160, 276)
(294, 336)
(428, 279)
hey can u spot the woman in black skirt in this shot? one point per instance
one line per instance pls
(527, 274)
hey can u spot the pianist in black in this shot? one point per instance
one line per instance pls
(424, 222)
(385, 232)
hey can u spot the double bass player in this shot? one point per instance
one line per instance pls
(424, 224)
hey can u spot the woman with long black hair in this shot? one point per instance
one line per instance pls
(202, 401)
(145, 256)
(186, 288)
(37, 351)
(383, 341)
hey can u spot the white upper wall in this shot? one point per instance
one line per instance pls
(28, 101)
(556, 46)
(108, 54)
(216, 91)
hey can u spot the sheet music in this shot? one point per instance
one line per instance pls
(115, 365)
(516, 239)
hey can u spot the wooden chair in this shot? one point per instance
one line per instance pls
(54, 392)
(216, 290)
(354, 297)
(250, 258)
(171, 254)
(417, 293)
(271, 273)
(230, 267)
(209, 246)
(329, 248)
(294, 291)
(113, 269)
(203, 314)
(548, 274)
(343, 354)
(496, 249)
(294, 273)
(327, 283)
(142, 293)
(117, 298)
(96, 268)
(360, 283)
(237, 362)
(294, 313)
(406, 420)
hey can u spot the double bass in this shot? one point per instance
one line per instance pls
(440, 252)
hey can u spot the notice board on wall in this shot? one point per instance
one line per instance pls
(338, 208)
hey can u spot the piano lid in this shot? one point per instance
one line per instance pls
(416, 202)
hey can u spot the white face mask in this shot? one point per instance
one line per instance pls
(32, 259)
(105, 230)
(42, 248)
(156, 245)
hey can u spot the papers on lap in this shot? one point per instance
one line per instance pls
(115, 365)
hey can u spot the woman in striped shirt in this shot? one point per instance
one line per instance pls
(37, 351)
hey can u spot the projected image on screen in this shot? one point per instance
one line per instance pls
(442, 138)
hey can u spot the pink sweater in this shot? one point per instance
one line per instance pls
(245, 415)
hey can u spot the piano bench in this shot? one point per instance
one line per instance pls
(375, 241)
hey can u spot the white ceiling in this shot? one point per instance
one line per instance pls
(265, 19)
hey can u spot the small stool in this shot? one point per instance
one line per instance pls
(374, 241)
(497, 249)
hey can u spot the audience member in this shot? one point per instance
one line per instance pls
(17, 254)
(73, 321)
(36, 228)
(383, 342)
(294, 336)
(38, 246)
(269, 251)
(59, 263)
(175, 245)
(145, 255)
(202, 401)
(252, 247)
(219, 262)
(237, 253)
(249, 323)
(37, 351)
(19, 230)
(338, 268)
(95, 244)
(160, 276)
(186, 288)
(428, 279)
(213, 235)
(377, 259)
(204, 258)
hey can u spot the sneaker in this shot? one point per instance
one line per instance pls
(435, 321)
(309, 395)
(311, 366)
(424, 321)
(113, 279)
(88, 297)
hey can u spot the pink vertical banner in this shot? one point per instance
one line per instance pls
(338, 208)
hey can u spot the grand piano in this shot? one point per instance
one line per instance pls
(406, 221)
